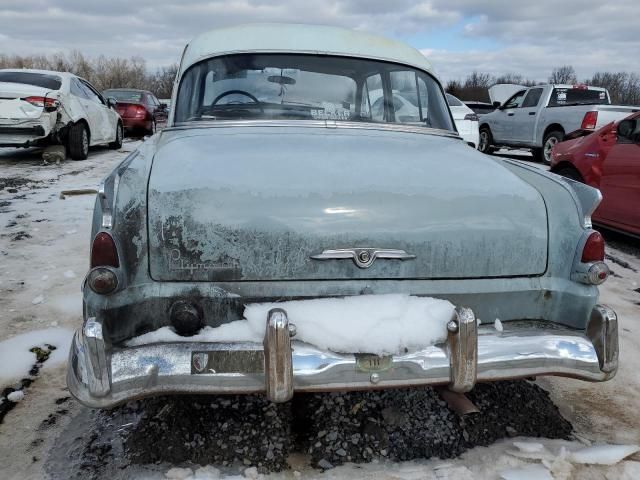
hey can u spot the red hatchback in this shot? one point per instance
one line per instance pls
(607, 159)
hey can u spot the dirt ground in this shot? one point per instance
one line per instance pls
(44, 243)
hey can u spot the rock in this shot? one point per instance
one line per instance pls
(251, 472)
(324, 464)
(54, 153)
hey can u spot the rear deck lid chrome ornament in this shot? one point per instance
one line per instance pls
(363, 257)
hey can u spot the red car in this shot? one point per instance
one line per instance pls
(140, 110)
(607, 159)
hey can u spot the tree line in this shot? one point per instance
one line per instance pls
(102, 72)
(116, 72)
(623, 87)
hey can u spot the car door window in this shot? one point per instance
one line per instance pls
(77, 90)
(515, 101)
(91, 93)
(533, 98)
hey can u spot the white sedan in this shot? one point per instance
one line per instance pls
(466, 120)
(41, 107)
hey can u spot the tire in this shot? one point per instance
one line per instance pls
(486, 139)
(571, 173)
(78, 141)
(550, 140)
(117, 144)
(537, 155)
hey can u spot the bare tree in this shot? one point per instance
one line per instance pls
(623, 87)
(563, 75)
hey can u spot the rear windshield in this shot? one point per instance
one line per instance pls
(313, 87)
(124, 95)
(577, 96)
(52, 82)
(453, 101)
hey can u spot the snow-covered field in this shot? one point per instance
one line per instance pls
(44, 243)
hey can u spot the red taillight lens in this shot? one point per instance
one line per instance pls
(103, 251)
(42, 102)
(135, 111)
(589, 121)
(593, 250)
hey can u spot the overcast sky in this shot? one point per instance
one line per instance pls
(528, 37)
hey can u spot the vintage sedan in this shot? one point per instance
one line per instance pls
(281, 235)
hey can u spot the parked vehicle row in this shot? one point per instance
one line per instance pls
(42, 108)
(39, 108)
(609, 160)
(289, 170)
(538, 117)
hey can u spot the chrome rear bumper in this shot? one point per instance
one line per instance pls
(103, 376)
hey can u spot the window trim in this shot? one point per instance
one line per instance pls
(386, 72)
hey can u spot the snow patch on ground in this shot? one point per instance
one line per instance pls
(16, 396)
(16, 359)
(380, 324)
(603, 454)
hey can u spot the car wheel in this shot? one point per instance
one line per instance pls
(115, 145)
(550, 141)
(78, 141)
(486, 139)
(571, 173)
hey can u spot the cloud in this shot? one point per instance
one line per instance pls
(529, 38)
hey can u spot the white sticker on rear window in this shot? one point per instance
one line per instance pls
(603, 95)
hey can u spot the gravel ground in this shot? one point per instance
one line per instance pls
(236, 432)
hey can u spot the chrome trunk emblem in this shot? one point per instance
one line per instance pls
(363, 257)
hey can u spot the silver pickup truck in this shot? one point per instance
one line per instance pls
(539, 117)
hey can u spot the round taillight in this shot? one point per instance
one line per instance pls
(104, 252)
(593, 250)
(102, 280)
(186, 318)
(598, 273)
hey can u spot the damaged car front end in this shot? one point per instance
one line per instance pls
(290, 231)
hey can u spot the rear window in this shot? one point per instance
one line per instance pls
(124, 95)
(52, 82)
(453, 101)
(577, 96)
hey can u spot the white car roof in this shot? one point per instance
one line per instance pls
(284, 38)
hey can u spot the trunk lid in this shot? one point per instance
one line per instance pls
(256, 203)
(12, 108)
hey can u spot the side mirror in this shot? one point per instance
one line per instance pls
(112, 102)
(626, 128)
(163, 106)
(497, 104)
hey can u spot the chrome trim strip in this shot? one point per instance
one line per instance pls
(523, 349)
(362, 257)
(107, 216)
(333, 124)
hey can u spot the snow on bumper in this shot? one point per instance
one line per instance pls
(103, 376)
